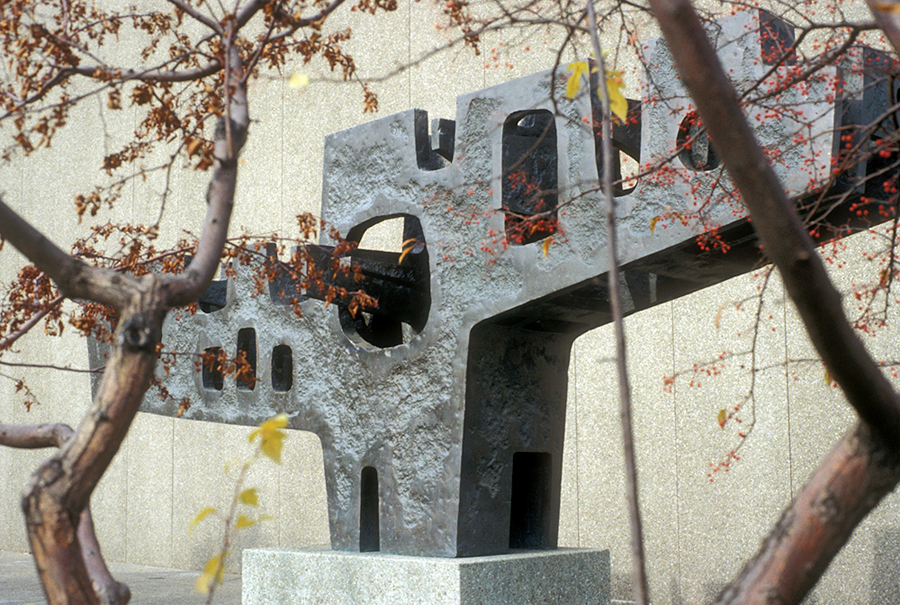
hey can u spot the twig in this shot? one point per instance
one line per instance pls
(638, 571)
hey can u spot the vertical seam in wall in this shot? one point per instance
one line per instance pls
(675, 447)
(172, 498)
(787, 394)
(281, 187)
(127, 466)
(409, 53)
(577, 446)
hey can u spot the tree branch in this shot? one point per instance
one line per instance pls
(307, 21)
(865, 465)
(785, 239)
(74, 278)
(220, 196)
(107, 589)
(640, 588)
(888, 19)
(12, 337)
(197, 15)
(848, 484)
(35, 436)
(149, 75)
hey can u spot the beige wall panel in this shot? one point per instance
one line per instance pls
(602, 512)
(650, 342)
(436, 81)
(109, 505)
(202, 449)
(569, 492)
(309, 115)
(259, 189)
(603, 518)
(302, 517)
(150, 490)
(58, 397)
(329, 104)
(52, 177)
(721, 522)
(183, 191)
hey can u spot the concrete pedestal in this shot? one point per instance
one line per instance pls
(554, 577)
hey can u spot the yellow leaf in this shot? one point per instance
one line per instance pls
(213, 565)
(271, 445)
(269, 426)
(203, 583)
(278, 421)
(212, 572)
(578, 68)
(203, 514)
(653, 222)
(249, 497)
(887, 7)
(829, 380)
(298, 80)
(244, 521)
(546, 246)
(721, 418)
(618, 105)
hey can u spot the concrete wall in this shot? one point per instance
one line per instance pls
(698, 532)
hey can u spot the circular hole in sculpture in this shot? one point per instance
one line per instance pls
(392, 260)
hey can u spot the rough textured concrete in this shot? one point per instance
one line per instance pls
(299, 577)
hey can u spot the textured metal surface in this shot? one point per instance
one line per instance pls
(466, 378)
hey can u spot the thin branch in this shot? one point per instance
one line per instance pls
(785, 239)
(196, 15)
(108, 590)
(74, 278)
(50, 366)
(306, 21)
(638, 570)
(12, 337)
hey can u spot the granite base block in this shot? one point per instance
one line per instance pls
(554, 577)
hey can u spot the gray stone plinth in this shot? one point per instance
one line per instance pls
(293, 577)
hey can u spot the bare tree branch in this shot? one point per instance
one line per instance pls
(865, 465)
(785, 240)
(74, 278)
(848, 484)
(107, 589)
(35, 436)
(197, 15)
(15, 335)
(640, 587)
(888, 18)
